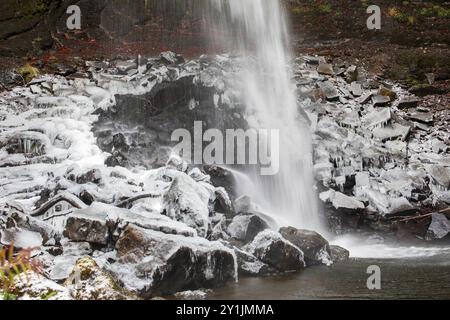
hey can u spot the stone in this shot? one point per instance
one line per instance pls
(92, 176)
(89, 282)
(441, 175)
(339, 254)
(439, 227)
(188, 201)
(379, 100)
(426, 118)
(271, 248)
(329, 90)
(249, 265)
(152, 263)
(325, 68)
(84, 226)
(315, 248)
(222, 177)
(351, 74)
(356, 89)
(33, 286)
(386, 92)
(408, 102)
(245, 227)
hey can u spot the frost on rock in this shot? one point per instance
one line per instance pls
(152, 263)
(89, 282)
(32, 286)
(271, 248)
(189, 202)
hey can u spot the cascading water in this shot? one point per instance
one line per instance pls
(259, 31)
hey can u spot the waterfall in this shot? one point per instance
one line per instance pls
(259, 31)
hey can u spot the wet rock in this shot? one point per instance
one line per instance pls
(222, 177)
(120, 143)
(245, 227)
(152, 263)
(223, 203)
(117, 159)
(339, 254)
(271, 248)
(439, 227)
(89, 282)
(315, 248)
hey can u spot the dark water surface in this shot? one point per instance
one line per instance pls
(411, 278)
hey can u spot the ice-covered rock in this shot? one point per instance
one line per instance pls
(101, 223)
(33, 286)
(20, 238)
(152, 263)
(188, 201)
(249, 265)
(439, 227)
(245, 227)
(89, 282)
(315, 248)
(271, 248)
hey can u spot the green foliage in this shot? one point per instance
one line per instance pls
(13, 265)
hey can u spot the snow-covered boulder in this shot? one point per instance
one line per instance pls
(249, 265)
(102, 224)
(189, 201)
(271, 248)
(33, 286)
(89, 282)
(152, 263)
(245, 227)
(315, 248)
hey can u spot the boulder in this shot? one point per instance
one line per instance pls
(245, 227)
(151, 263)
(33, 286)
(439, 227)
(89, 226)
(249, 265)
(101, 224)
(222, 177)
(315, 248)
(339, 254)
(89, 282)
(271, 248)
(188, 201)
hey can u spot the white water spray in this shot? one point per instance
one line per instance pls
(259, 31)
